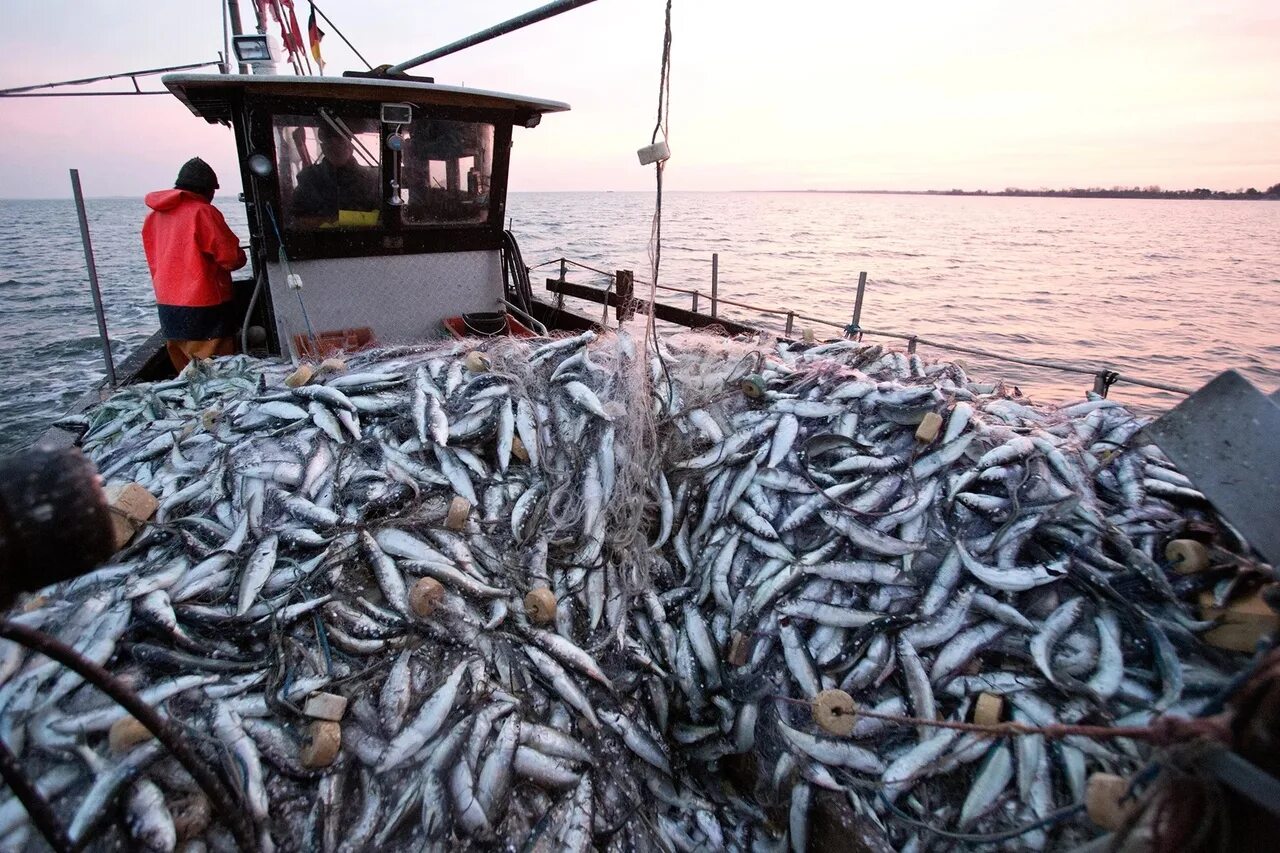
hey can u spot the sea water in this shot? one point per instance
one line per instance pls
(1171, 291)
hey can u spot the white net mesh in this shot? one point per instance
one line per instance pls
(725, 529)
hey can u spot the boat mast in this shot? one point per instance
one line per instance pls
(233, 12)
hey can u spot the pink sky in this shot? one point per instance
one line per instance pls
(802, 95)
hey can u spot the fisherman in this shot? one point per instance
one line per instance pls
(335, 185)
(191, 253)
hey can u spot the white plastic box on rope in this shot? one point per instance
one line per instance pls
(658, 152)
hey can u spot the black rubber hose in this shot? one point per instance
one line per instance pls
(514, 260)
(165, 731)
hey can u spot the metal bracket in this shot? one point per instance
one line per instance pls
(1103, 380)
(1224, 437)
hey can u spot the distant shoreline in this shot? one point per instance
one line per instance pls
(1184, 195)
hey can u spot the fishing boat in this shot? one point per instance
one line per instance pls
(423, 252)
(428, 249)
(425, 258)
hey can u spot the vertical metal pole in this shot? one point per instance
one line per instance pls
(791, 323)
(604, 309)
(1100, 383)
(695, 302)
(233, 11)
(715, 282)
(93, 277)
(564, 270)
(857, 304)
(626, 288)
(224, 55)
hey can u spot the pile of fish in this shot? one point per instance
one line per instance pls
(824, 545)
(713, 560)
(292, 528)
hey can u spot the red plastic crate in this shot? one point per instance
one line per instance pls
(334, 342)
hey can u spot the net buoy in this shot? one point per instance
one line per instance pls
(1102, 797)
(835, 711)
(753, 386)
(459, 509)
(425, 596)
(325, 706)
(929, 427)
(1187, 556)
(126, 733)
(333, 364)
(191, 816)
(989, 709)
(540, 604)
(477, 362)
(324, 739)
(300, 377)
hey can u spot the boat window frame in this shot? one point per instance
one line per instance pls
(286, 221)
(391, 236)
(411, 151)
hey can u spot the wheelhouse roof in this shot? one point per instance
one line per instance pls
(210, 96)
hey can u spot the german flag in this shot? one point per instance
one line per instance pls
(314, 34)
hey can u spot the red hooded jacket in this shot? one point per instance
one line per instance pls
(191, 253)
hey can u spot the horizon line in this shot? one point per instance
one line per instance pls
(1005, 193)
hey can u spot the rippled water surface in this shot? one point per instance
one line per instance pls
(1173, 291)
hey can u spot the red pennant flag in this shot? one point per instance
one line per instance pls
(314, 34)
(290, 30)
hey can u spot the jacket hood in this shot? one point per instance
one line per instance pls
(169, 199)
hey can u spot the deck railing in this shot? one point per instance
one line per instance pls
(1104, 377)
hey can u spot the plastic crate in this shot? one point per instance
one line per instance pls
(334, 342)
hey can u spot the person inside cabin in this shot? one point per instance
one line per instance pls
(191, 252)
(337, 190)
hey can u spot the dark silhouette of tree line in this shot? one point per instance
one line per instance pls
(1272, 193)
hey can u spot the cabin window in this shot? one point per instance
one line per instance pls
(446, 172)
(329, 171)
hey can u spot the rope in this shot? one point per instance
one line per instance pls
(41, 813)
(284, 262)
(661, 125)
(1112, 377)
(1162, 731)
(1032, 362)
(345, 40)
(1061, 814)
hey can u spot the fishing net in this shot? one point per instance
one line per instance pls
(836, 540)
(663, 556)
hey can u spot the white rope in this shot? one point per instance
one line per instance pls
(661, 126)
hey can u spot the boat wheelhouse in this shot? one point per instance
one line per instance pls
(375, 205)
